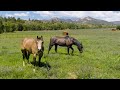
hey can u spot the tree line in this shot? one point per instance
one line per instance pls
(11, 24)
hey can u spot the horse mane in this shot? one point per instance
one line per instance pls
(75, 41)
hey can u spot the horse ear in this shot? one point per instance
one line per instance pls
(42, 37)
(37, 37)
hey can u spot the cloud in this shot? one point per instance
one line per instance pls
(8, 15)
(104, 15)
(17, 14)
(21, 14)
(44, 13)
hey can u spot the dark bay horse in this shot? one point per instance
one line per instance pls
(66, 42)
(32, 46)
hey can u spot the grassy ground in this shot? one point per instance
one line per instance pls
(100, 59)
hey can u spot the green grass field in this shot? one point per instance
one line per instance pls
(100, 59)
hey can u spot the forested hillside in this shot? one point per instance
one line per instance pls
(11, 24)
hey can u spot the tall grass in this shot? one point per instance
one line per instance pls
(100, 59)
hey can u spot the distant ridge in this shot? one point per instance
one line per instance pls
(85, 20)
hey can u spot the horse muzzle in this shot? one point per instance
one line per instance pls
(40, 50)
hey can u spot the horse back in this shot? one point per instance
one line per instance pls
(62, 41)
(29, 44)
(69, 42)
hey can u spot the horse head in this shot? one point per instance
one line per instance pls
(80, 47)
(78, 44)
(40, 43)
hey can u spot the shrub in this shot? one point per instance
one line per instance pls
(118, 27)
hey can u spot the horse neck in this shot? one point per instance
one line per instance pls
(76, 42)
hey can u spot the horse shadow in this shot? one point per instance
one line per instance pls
(42, 64)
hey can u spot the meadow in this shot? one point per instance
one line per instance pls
(99, 60)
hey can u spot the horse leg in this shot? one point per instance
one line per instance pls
(39, 61)
(28, 55)
(72, 49)
(68, 50)
(23, 54)
(50, 46)
(34, 59)
(40, 56)
(56, 48)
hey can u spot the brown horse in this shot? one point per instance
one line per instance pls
(114, 29)
(65, 41)
(32, 46)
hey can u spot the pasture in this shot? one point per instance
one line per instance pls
(100, 58)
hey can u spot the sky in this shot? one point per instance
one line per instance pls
(40, 15)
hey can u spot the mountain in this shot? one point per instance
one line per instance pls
(90, 20)
(85, 20)
(61, 19)
(116, 22)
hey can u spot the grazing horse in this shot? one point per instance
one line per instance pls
(66, 42)
(32, 46)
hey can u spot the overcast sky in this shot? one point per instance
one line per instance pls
(103, 15)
